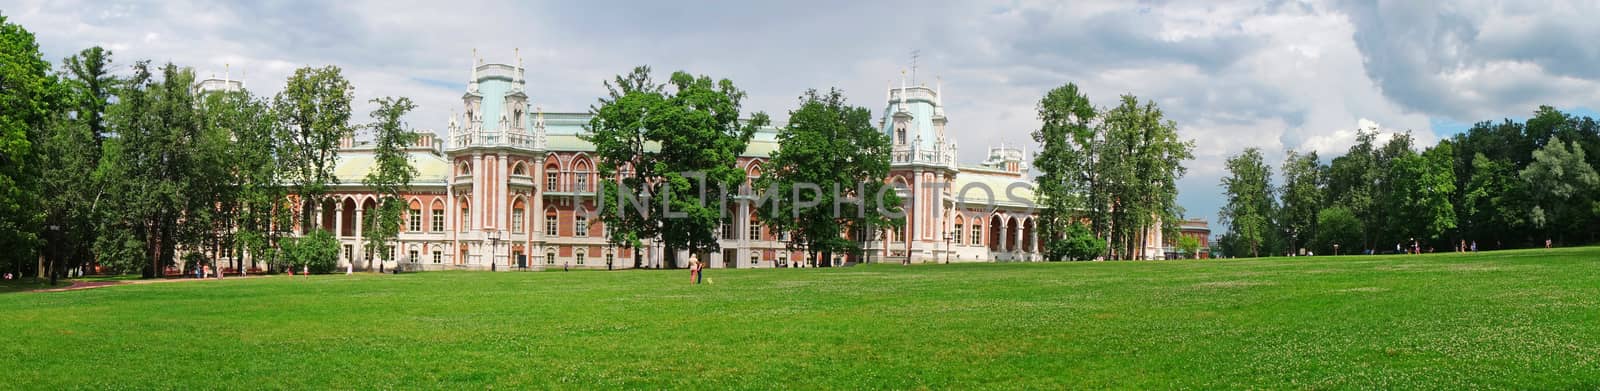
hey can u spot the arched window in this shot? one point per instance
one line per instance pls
(518, 216)
(550, 220)
(552, 178)
(519, 169)
(464, 169)
(550, 257)
(464, 219)
(958, 231)
(436, 216)
(977, 233)
(900, 133)
(580, 177)
(415, 218)
(578, 257)
(580, 224)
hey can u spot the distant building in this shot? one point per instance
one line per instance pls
(511, 186)
(1195, 228)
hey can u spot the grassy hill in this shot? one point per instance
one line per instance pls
(1513, 319)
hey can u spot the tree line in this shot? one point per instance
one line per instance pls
(124, 167)
(1498, 185)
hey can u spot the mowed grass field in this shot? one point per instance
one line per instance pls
(1515, 319)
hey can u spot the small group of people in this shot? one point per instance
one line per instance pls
(9, 277)
(696, 270)
(1464, 247)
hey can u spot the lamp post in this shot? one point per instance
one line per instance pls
(948, 237)
(494, 244)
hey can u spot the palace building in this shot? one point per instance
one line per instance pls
(512, 187)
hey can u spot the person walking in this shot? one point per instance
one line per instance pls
(694, 269)
(1474, 247)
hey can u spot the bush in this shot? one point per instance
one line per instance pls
(1338, 225)
(1077, 243)
(318, 251)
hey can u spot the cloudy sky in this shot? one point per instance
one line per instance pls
(1275, 75)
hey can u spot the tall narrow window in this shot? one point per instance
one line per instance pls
(755, 230)
(416, 220)
(550, 219)
(580, 225)
(550, 181)
(977, 234)
(578, 257)
(516, 220)
(438, 257)
(957, 235)
(438, 220)
(583, 182)
(550, 258)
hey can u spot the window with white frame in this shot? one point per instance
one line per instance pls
(414, 256)
(516, 220)
(416, 220)
(958, 232)
(578, 257)
(438, 220)
(550, 257)
(580, 225)
(977, 234)
(550, 181)
(438, 257)
(755, 230)
(583, 181)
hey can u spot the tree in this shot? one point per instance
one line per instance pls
(1142, 158)
(317, 251)
(315, 109)
(1189, 246)
(1338, 226)
(832, 146)
(392, 172)
(674, 146)
(1077, 243)
(1491, 204)
(1351, 182)
(1302, 196)
(89, 72)
(151, 171)
(1249, 207)
(1561, 184)
(29, 99)
(1066, 162)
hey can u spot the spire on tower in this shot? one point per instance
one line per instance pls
(903, 90)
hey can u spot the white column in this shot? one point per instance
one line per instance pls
(357, 252)
(338, 220)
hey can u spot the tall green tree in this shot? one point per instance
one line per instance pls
(1352, 180)
(1302, 196)
(1141, 162)
(89, 72)
(1418, 202)
(1561, 184)
(315, 109)
(154, 162)
(1066, 161)
(391, 174)
(678, 143)
(828, 144)
(29, 98)
(1249, 208)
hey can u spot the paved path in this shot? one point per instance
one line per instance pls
(81, 285)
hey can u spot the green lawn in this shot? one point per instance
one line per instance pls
(1516, 319)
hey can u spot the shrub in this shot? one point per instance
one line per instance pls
(318, 251)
